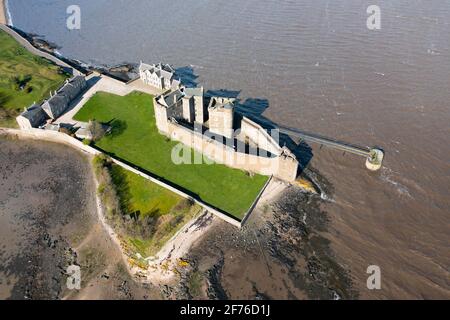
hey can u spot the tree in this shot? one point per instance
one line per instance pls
(96, 130)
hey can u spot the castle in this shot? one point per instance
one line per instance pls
(206, 123)
(210, 125)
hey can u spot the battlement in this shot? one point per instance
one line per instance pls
(181, 115)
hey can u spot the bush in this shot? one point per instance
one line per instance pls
(101, 161)
(111, 200)
(6, 114)
(184, 205)
(96, 130)
(19, 51)
(20, 82)
(250, 174)
(40, 61)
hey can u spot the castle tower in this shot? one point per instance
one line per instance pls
(188, 109)
(195, 110)
(221, 115)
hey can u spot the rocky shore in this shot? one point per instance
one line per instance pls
(124, 72)
(282, 253)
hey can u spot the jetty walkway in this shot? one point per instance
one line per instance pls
(374, 155)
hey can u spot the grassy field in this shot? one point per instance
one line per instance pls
(166, 212)
(135, 139)
(24, 79)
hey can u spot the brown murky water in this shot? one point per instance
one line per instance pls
(314, 65)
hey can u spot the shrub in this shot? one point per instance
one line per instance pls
(20, 82)
(40, 61)
(96, 130)
(184, 205)
(19, 51)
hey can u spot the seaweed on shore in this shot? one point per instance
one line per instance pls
(297, 240)
(215, 290)
(291, 234)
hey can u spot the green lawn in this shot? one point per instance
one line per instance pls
(18, 67)
(141, 195)
(168, 211)
(135, 139)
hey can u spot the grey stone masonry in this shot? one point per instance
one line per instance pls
(161, 76)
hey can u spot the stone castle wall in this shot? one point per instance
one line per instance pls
(280, 166)
(259, 136)
(221, 122)
(58, 137)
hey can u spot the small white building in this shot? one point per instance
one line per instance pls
(161, 76)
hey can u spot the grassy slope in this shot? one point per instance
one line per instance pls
(140, 195)
(15, 61)
(140, 143)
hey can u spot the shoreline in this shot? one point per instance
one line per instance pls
(165, 265)
(161, 268)
(125, 72)
(59, 231)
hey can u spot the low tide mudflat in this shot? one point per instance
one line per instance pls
(48, 221)
(282, 252)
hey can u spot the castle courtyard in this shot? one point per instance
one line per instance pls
(136, 140)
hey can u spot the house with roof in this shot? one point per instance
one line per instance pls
(36, 115)
(58, 102)
(168, 106)
(161, 76)
(32, 117)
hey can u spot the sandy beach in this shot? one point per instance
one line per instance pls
(2, 12)
(164, 266)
